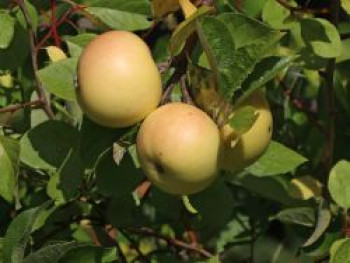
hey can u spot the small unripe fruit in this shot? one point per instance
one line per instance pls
(178, 147)
(119, 82)
(239, 152)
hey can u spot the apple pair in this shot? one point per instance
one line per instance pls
(180, 148)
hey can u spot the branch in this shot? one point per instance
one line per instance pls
(180, 64)
(39, 88)
(299, 9)
(186, 97)
(13, 108)
(171, 241)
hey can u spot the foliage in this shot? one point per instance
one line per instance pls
(73, 191)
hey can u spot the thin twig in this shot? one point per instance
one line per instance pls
(186, 97)
(330, 99)
(171, 241)
(39, 88)
(14, 108)
(299, 9)
(134, 245)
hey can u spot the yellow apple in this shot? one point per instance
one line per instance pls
(178, 146)
(239, 151)
(119, 83)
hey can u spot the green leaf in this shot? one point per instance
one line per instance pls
(89, 254)
(339, 184)
(63, 186)
(8, 29)
(340, 251)
(322, 223)
(345, 4)
(120, 20)
(345, 54)
(219, 48)
(253, 41)
(47, 145)
(321, 36)
(275, 15)
(214, 206)
(18, 233)
(278, 159)
(51, 253)
(142, 7)
(237, 230)
(116, 180)
(15, 54)
(33, 15)
(276, 188)
(122, 212)
(185, 29)
(243, 119)
(95, 140)
(58, 78)
(77, 43)
(264, 72)
(304, 216)
(7, 176)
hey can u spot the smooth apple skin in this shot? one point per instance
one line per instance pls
(239, 153)
(178, 146)
(119, 83)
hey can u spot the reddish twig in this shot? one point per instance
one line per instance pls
(14, 108)
(39, 87)
(143, 189)
(53, 28)
(57, 39)
(171, 241)
(186, 97)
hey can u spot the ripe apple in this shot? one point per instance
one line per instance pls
(119, 83)
(178, 147)
(239, 151)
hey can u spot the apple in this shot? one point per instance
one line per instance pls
(119, 82)
(239, 151)
(178, 146)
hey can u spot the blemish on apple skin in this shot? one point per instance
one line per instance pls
(159, 168)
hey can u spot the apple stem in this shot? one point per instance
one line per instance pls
(186, 97)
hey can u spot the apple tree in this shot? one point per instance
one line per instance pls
(174, 131)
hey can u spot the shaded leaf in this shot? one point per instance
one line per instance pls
(40, 151)
(185, 29)
(89, 254)
(50, 253)
(321, 36)
(115, 180)
(322, 223)
(17, 235)
(63, 186)
(304, 216)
